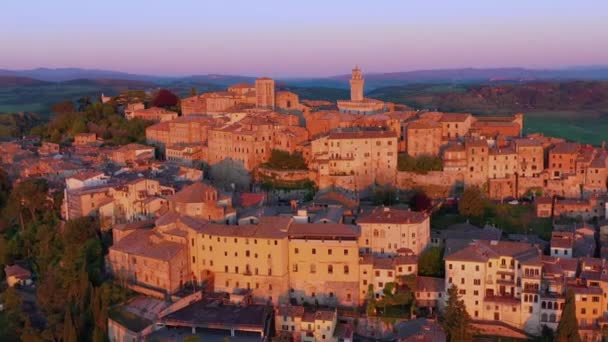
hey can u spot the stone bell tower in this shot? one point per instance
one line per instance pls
(356, 85)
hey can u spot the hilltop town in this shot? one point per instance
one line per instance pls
(256, 215)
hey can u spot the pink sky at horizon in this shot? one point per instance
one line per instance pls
(298, 40)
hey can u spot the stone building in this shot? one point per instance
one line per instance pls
(358, 103)
(562, 159)
(324, 264)
(423, 138)
(498, 281)
(152, 114)
(204, 201)
(264, 91)
(387, 231)
(355, 160)
(477, 162)
(132, 152)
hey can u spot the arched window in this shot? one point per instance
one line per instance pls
(552, 318)
(535, 298)
(543, 305)
(543, 317)
(375, 232)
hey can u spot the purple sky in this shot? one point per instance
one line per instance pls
(301, 38)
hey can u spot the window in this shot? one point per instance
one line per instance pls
(313, 268)
(330, 269)
(296, 251)
(329, 251)
(314, 251)
(294, 267)
(346, 252)
(345, 269)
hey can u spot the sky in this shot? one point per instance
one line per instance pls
(301, 38)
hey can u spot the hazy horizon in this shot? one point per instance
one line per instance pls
(309, 39)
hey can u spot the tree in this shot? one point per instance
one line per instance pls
(66, 106)
(385, 195)
(546, 334)
(420, 201)
(421, 164)
(28, 200)
(165, 98)
(456, 320)
(283, 160)
(83, 103)
(69, 330)
(5, 187)
(472, 202)
(567, 330)
(430, 263)
(13, 311)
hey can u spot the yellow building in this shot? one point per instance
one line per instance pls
(324, 264)
(386, 231)
(488, 275)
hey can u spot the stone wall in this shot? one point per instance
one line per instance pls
(435, 183)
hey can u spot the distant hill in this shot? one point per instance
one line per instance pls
(113, 83)
(472, 75)
(502, 97)
(67, 74)
(224, 80)
(16, 81)
(372, 80)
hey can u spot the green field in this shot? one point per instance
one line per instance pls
(584, 127)
(39, 99)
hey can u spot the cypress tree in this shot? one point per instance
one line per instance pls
(456, 321)
(567, 330)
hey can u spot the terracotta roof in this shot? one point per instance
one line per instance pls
(454, 117)
(250, 199)
(333, 197)
(268, 227)
(476, 143)
(291, 310)
(133, 147)
(526, 142)
(86, 174)
(423, 124)
(484, 250)
(562, 240)
(194, 193)
(312, 230)
(148, 243)
(565, 148)
(363, 135)
(430, 284)
(17, 271)
(389, 215)
(242, 85)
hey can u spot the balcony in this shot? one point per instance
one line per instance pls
(505, 281)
